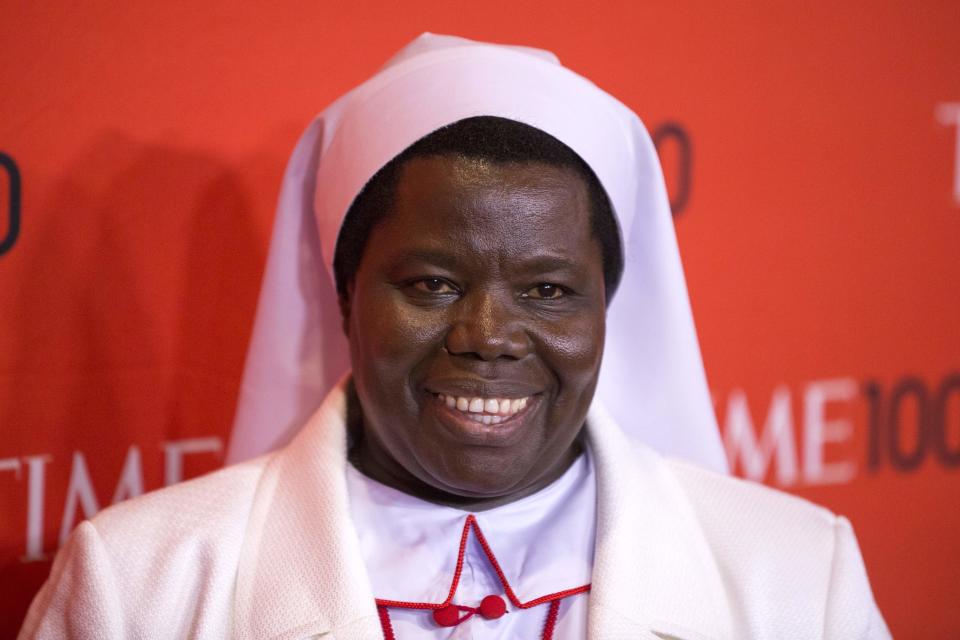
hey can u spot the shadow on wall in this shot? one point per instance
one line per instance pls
(136, 288)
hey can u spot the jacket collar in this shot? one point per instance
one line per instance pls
(653, 572)
(301, 572)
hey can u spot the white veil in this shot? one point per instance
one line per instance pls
(652, 380)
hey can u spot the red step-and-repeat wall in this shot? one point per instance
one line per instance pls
(812, 154)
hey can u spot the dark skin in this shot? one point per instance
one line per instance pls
(484, 281)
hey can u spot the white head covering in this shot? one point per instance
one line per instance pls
(652, 380)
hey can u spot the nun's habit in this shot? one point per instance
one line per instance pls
(296, 544)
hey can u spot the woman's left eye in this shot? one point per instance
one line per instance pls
(545, 291)
(434, 285)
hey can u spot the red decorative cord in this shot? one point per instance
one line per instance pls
(385, 623)
(551, 620)
(401, 604)
(471, 523)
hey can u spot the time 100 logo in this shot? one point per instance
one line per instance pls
(910, 421)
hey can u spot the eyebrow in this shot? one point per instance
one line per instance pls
(440, 258)
(544, 263)
(551, 262)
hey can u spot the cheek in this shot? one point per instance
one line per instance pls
(575, 351)
(582, 347)
(389, 336)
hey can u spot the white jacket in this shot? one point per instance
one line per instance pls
(266, 549)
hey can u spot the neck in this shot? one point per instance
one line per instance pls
(373, 463)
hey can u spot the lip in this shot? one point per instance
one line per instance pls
(472, 388)
(468, 432)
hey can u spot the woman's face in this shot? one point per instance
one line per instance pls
(476, 326)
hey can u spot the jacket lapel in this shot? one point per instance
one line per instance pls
(301, 572)
(653, 574)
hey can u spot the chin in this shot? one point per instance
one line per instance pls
(481, 476)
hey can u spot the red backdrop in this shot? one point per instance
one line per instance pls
(142, 149)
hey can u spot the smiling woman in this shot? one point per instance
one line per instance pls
(447, 301)
(484, 287)
(474, 472)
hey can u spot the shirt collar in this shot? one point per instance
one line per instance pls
(543, 542)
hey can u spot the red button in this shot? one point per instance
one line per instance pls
(492, 607)
(449, 616)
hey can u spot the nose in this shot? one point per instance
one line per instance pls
(488, 328)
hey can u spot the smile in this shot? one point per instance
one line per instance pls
(485, 410)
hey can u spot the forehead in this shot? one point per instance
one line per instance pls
(505, 209)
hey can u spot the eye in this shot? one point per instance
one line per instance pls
(437, 286)
(545, 291)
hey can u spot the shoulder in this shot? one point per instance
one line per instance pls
(759, 533)
(783, 560)
(200, 521)
(726, 505)
(189, 533)
(202, 507)
(153, 562)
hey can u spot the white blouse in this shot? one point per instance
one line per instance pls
(543, 544)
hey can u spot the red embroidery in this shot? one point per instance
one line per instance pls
(385, 623)
(551, 620)
(447, 614)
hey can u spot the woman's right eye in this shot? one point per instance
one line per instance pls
(434, 285)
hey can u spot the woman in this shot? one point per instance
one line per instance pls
(463, 481)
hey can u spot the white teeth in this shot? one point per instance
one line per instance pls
(485, 410)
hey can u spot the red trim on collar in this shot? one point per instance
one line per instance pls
(471, 523)
(385, 623)
(551, 620)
